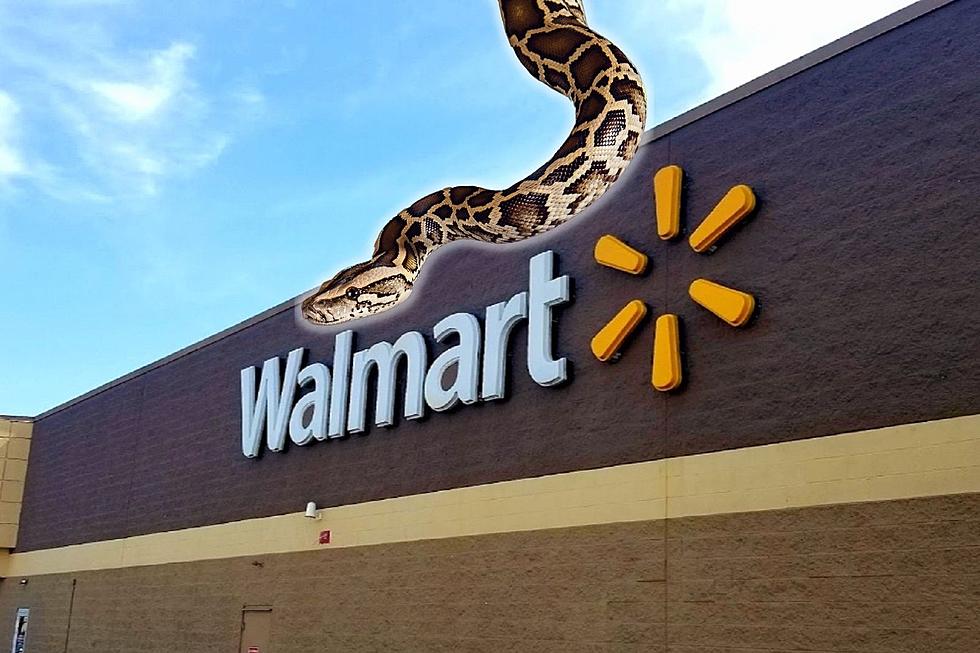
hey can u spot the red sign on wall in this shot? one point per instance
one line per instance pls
(324, 537)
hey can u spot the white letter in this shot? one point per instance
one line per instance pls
(384, 357)
(546, 291)
(343, 343)
(501, 320)
(252, 422)
(272, 401)
(465, 355)
(319, 398)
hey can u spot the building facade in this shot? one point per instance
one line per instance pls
(810, 481)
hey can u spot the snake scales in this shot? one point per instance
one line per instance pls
(554, 43)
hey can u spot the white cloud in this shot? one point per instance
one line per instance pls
(739, 40)
(98, 121)
(11, 162)
(139, 100)
(140, 118)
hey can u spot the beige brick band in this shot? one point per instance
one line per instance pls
(912, 460)
(15, 445)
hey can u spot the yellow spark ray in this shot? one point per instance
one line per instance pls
(733, 306)
(614, 253)
(735, 205)
(610, 338)
(666, 373)
(667, 195)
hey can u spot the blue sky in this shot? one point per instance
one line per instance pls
(170, 169)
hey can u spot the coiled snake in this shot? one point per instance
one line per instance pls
(554, 43)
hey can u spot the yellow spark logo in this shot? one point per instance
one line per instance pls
(733, 306)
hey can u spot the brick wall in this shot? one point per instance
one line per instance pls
(886, 577)
(15, 446)
(49, 600)
(890, 577)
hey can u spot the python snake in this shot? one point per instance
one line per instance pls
(554, 43)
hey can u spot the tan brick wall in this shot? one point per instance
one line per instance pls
(48, 598)
(859, 578)
(886, 577)
(582, 589)
(15, 445)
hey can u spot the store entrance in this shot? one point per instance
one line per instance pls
(256, 627)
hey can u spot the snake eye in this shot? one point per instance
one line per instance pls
(353, 293)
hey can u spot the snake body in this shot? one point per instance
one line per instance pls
(555, 44)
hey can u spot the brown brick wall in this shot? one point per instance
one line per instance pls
(863, 578)
(49, 599)
(890, 577)
(565, 590)
(861, 256)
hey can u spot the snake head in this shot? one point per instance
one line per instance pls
(360, 290)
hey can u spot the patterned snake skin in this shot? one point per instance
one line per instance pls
(554, 43)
